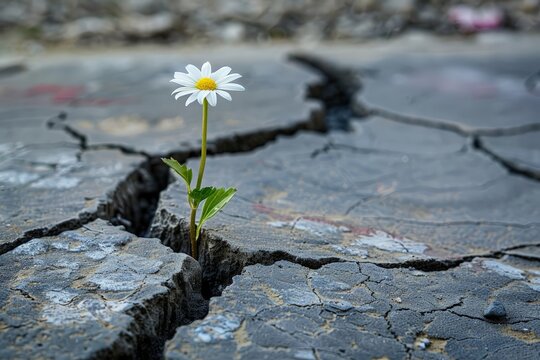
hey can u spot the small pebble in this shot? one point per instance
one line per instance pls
(424, 343)
(338, 305)
(495, 311)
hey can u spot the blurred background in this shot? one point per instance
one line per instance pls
(31, 24)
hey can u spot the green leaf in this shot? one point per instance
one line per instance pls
(199, 195)
(182, 170)
(213, 204)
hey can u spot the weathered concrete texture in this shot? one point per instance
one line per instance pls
(461, 93)
(46, 189)
(126, 101)
(97, 292)
(347, 311)
(518, 152)
(422, 199)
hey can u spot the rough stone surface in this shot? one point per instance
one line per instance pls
(47, 190)
(388, 193)
(126, 101)
(351, 311)
(469, 93)
(97, 292)
(49, 181)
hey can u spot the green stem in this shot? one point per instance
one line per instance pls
(203, 144)
(193, 233)
(193, 225)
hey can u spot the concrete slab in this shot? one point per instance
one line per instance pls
(97, 292)
(126, 100)
(467, 91)
(346, 310)
(519, 152)
(424, 200)
(50, 188)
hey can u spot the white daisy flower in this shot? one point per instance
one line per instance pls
(205, 84)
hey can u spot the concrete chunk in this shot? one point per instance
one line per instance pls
(96, 292)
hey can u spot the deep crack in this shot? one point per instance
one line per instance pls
(511, 166)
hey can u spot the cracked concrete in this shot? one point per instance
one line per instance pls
(46, 190)
(346, 311)
(388, 241)
(107, 106)
(96, 292)
(383, 198)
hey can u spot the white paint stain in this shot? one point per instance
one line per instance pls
(363, 253)
(216, 328)
(56, 182)
(317, 228)
(32, 248)
(384, 241)
(503, 269)
(88, 309)
(299, 297)
(17, 178)
(62, 297)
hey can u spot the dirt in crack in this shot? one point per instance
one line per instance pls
(219, 261)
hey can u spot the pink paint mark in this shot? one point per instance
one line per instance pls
(273, 213)
(72, 95)
(60, 94)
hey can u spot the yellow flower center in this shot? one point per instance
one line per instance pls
(206, 83)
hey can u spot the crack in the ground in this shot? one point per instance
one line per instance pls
(453, 223)
(346, 78)
(70, 224)
(510, 166)
(432, 264)
(219, 261)
(458, 128)
(336, 91)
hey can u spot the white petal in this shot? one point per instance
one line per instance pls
(191, 98)
(221, 73)
(206, 69)
(183, 82)
(231, 87)
(183, 88)
(184, 77)
(229, 78)
(184, 93)
(202, 94)
(224, 94)
(194, 72)
(212, 98)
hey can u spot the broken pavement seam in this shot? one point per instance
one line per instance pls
(510, 166)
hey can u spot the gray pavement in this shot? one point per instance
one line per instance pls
(472, 93)
(413, 235)
(350, 311)
(86, 294)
